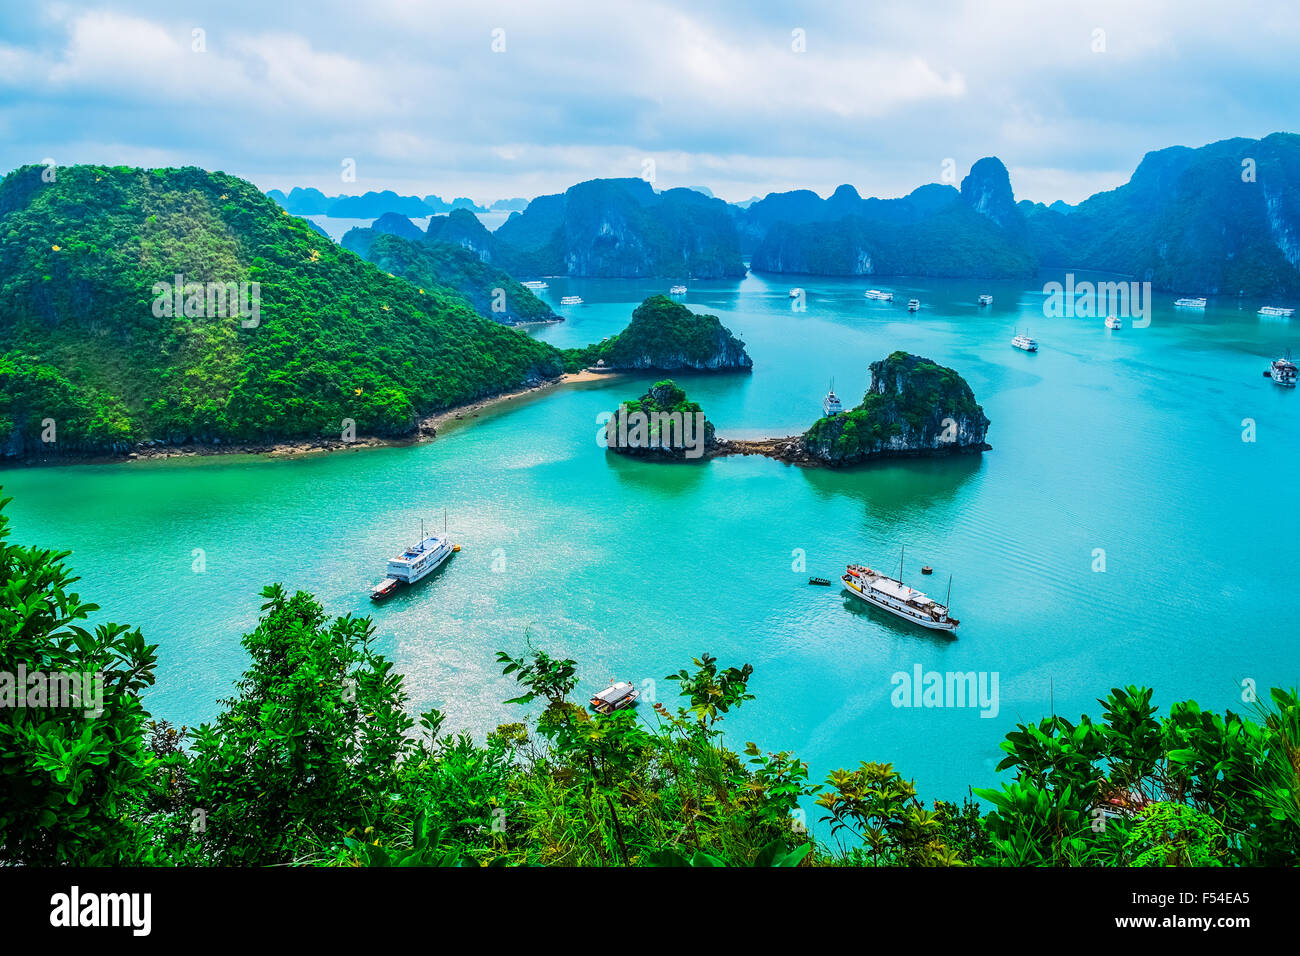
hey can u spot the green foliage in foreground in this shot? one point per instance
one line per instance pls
(313, 761)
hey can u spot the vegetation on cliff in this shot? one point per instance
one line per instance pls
(661, 423)
(451, 268)
(912, 407)
(667, 336)
(334, 338)
(315, 760)
(1224, 218)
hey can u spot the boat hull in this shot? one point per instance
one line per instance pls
(930, 625)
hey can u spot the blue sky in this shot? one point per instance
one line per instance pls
(714, 94)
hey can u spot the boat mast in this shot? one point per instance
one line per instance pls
(947, 602)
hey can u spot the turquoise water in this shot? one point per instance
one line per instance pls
(1125, 441)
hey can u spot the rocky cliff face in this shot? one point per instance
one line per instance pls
(913, 408)
(462, 228)
(987, 189)
(1222, 219)
(662, 424)
(933, 231)
(622, 228)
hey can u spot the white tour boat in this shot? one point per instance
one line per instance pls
(1283, 371)
(986, 299)
(1114, 322)
(1024, 343)
(677, 290)
(831, 404)
(879, 296)
(1276, 311)
(913, 305)
(896, 597)
(796, 292)
(571, 300)
(1189, 303)
(415, 563)
(535, 285)
(617, 696)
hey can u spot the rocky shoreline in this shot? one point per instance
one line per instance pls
(793, 450)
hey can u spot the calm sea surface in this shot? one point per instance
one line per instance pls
(1129, 442)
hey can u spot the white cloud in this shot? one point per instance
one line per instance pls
(714, 92)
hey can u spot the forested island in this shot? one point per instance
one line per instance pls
(913, 408)
(315, 761)
(168, 307)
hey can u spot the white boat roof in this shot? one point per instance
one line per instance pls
(614, 692)
(410, 554)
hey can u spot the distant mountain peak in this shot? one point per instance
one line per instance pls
(987, 187)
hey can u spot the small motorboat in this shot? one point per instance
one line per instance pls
(385, 589)
(913, 305)
(619, 695)
(820, 582)
(927, 570)
(1114, 322)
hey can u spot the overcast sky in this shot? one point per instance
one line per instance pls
(493, 100)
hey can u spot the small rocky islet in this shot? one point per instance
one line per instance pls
(913, 408)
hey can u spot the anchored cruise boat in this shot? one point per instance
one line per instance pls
(677, 290)
(913, 305)
(1189, 303)
(986, 299)
(1283, 371)
(415, 563)
(1275, 312)
(1024, 343)
(831, 404)
(897, 598)
(879, 296)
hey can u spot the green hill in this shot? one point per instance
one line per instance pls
(90, 343)
(454, 269)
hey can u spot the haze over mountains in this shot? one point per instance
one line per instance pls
(1224, 218)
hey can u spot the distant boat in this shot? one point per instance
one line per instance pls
(820, 582)
(1283, 371)
(879, 296)
(1114, 322)
(617, 696)
(986, 299)
(1276, 311)
(677, 290)
(1189, 303)
(892, 595)
(571, 300)
(796, 292)
(913, 305)
(1024, 343)
(535, 284)
(831, 404)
